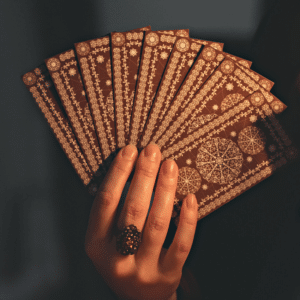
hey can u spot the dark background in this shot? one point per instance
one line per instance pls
(248, 249)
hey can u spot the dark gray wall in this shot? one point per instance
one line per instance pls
(248, 249)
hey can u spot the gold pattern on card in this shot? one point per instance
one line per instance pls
(67, 55)
(277, 106)
(83, 48)
(146, 87)
(200, 121)
(29, 78)
(182, 45)
(118, 39)
(85, 135)
(251, 140)
(152, 39)
(196, 46)
(255, 86)
(231, 100)
(179, 149)
(219, 160)
(62, 132)
(227, 67)
(189, 181)
(266, 84)
(96, 100)
(53, 64)
(223, 157)
(167, 39)
(100, 42)
(134, 36)
(257, 99)
(216, 46)
(191, 108)
(182, 33)
(209, 53)
(123, 83)
(191, 85)
(120, 124)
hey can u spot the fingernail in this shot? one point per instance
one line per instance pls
(151, 151)
(191, 201)
(129, 152)
(169, 167)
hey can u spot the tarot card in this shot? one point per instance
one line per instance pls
(40, 85)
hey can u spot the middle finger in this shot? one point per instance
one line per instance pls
(137, 202)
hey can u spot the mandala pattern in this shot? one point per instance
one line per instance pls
(118, 39)
(277, 106)
(265, 84)
(227, 67)
(209, 54)
(257, 99)
(251, 140)
(152, 39)
(53, 64)
(29, 78)
(189, 181)
(219, 160)
(182, 45)
(83, 49)
(220, 57)
(230, 100)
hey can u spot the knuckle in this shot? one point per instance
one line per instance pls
(121, 166)
(147, 170)
(183, 248)
(106, 197)
(135, 212)
(157, 224)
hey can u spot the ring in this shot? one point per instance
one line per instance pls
(128, 240)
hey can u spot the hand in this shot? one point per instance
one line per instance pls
(153, 272)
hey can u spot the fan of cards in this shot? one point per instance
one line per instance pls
(203, 107)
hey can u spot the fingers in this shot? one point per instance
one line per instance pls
(158, 221)
(184, 236)
(137, 202)
(106, 202)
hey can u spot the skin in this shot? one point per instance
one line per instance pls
(153, 272)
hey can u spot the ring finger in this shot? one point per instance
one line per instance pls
(137, 202)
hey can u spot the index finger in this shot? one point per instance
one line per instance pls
(105, 205)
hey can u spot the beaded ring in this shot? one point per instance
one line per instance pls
(128, 240)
